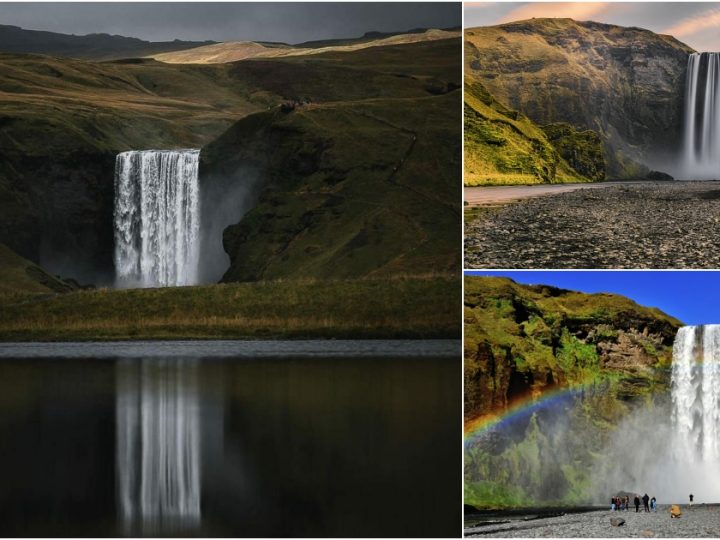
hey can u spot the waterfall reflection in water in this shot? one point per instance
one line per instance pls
(158, 445)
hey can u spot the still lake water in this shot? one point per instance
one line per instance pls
(296, 438)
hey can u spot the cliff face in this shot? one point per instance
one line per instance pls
(523, 343)
(626, 84)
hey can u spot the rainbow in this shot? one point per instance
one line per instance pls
(522, 408)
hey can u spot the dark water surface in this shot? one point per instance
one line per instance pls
(309, 438)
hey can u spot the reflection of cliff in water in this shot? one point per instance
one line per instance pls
(158, 445)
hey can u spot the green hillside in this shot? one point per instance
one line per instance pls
(503, 146)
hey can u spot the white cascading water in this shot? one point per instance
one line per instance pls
(701, 147)
(696, 393)
(158, 446)
(157, 218)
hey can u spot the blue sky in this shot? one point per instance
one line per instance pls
(691, 296)
(694, 23)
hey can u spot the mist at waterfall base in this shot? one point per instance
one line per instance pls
(227, 439)
(701, 130)
(168, 230)
(666, 444)
(672, 447)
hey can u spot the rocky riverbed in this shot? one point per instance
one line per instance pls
(700, 521)
(648, 225)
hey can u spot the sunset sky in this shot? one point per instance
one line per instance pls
(696, 23)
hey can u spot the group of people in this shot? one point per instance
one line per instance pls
(622, 503)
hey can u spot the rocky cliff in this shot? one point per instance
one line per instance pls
(626, 84)
(597, 355)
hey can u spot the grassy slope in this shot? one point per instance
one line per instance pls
(503, 146)
(232, 51)
(363, 181)
(20, 276)
(535, 331)
(397, 308)
(589, 75)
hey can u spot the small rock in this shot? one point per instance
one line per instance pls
(647, 534)
(617, 522)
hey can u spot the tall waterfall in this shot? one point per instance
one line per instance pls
(696, 393)
(702, 117)
(157, 217)
(158, 445)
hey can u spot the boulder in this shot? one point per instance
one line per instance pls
(617, 522)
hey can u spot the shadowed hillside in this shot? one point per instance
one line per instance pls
(360, 178)
(361, 115)
(90, 47)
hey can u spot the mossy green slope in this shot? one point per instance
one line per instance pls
(360, 181)
(526, 342)
(625, 84)
(503, 146)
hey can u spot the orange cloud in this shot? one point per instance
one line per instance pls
(580, 11)
(694, 24)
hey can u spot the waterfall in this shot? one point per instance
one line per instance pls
(701, 147)
(696, 393)
(157, 218)
(158, 446)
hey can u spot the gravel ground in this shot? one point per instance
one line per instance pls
(699, 521)
(650, 225)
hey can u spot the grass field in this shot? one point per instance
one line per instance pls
(409, 307)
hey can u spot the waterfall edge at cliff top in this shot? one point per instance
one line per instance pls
(701, 130)
(157, 218)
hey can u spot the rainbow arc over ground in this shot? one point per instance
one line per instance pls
(523, 407)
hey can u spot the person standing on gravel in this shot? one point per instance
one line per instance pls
(691, 499)
(637, 503)
(646, 502)
(653, 504)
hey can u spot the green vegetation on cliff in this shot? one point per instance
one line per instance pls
(624, 84)
(525, 342)
(503, 146)
(413, 307)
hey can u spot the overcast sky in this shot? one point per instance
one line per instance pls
(288, 22)
(694, 23)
